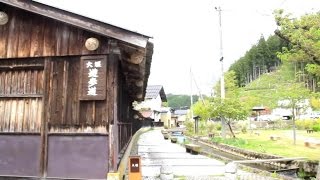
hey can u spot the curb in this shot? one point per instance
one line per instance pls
(124, 160)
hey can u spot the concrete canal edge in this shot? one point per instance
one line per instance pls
(125, 158)
(309, 166)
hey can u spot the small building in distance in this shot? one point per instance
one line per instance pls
(181, 115)
(151, 107)
(166, 117)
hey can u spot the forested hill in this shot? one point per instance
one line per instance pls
(261, 58)
(180, 101)
(296, 41)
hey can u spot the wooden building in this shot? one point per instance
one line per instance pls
(67, 84)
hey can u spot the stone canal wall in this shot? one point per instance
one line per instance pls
(308, 167)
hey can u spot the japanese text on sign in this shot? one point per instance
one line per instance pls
(93, 75)
(93, 78)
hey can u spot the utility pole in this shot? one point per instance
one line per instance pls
(191, 99)
(222, 90)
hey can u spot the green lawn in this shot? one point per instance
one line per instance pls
(283, 147)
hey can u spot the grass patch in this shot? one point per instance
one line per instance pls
(282, 147)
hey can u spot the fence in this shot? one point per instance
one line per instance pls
(125, 134)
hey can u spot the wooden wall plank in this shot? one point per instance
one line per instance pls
(29, 81)
(64, 38)
(44, 118)
(20, 115)
(13, 35)
(8, 82)
(64, 93)
(13, 83)
(24, 42)
(110, 89)
(73, 103)
(100, 114)
(74, 40)
(2, 82)
(2, 109)
(49, 38)
(26, 117)
(37, 36)
(13, 115)
(86, 113)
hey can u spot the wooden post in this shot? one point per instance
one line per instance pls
(44, 121)
(318, 171)
(112, 108)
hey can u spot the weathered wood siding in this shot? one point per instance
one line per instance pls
(21, 90)
(66, 110)
(30, 35)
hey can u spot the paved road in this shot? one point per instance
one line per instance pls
(156, 152)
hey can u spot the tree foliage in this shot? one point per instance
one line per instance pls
(294, 96)
(202, 109)
(260, 59)
(303, 35)
(231, 109)
(180, 101)
(230, 81)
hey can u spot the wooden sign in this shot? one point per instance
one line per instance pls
(93, 78)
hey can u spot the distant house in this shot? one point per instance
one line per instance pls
(152, 103)
(166, 117)
(181, 115)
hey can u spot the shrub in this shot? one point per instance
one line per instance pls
(243, 126)
(189, 127)
(306, 124)
(211, 127)
(218, 126)
(202, 130)
(316, 127)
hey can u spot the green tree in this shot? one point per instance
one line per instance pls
(315, 101)
(231, 109)
(293, 96)
(231, 87)
(303, 35)
(202, 109)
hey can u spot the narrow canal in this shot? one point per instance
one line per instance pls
(156, 152)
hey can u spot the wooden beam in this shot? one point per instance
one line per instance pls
(82, 22)
(21, 96)
(44, 120)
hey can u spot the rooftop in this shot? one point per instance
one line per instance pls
(153, 91)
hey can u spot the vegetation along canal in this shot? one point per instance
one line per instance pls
(208, 150)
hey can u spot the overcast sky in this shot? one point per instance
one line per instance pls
(186, 32)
